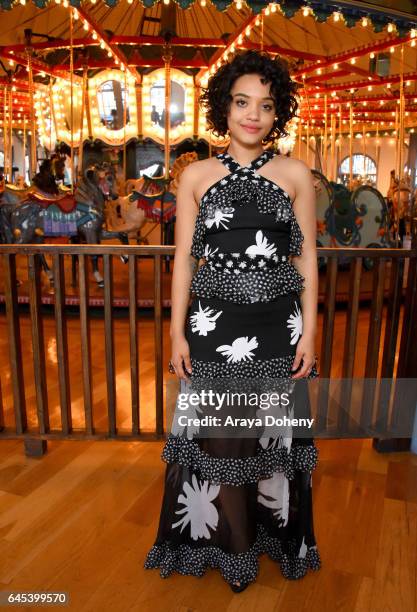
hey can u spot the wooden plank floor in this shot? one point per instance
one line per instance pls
(82, 519)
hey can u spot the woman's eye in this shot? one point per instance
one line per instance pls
(239, 101)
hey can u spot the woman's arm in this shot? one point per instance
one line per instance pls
(184, 268)
(304, 207)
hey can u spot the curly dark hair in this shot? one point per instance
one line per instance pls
(216, 98)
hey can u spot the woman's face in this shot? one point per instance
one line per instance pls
(252, 109)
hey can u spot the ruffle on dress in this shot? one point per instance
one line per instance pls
(241, 189)
(259, 285)
(194, 561)
(238, 471)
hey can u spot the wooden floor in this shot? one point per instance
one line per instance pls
(82, 518)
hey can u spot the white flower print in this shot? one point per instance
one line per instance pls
(274, 493)
(295, 324)
(204, 320)
(193, 412)
(240, 349)
(261, 247)
(220, 218)
(198, 509)
(303, 550)
(208, 252)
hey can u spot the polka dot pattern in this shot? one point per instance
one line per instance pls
(261, 285)
(188, 560)
(279, 367)
(242, 470)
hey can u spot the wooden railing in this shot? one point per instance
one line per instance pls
(384, 361)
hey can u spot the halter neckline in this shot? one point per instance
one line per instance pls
(256, 163)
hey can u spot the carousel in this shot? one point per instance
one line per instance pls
(99, 113)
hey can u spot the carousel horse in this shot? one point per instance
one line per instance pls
(399, 198)
(47, 212)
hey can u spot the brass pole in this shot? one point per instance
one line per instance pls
(81, 140)
(5, 131)
(11, 133)
(124, 128)
(350, 145)
(167, 57)
(72, 97)
(332, 147)
(325, 156)
(24, 148)
(33, 160)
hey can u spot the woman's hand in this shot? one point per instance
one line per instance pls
(306, 353)
(180, 359)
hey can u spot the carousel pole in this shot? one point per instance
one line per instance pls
(262, 31)
(397, 172)
(72, 97)
(350, 145)
(339, 150)
(83, 103)
(11, 133)
(325, 139)
(50, 115)
(332, 146)
(33, 160)
(24, 148)
(363, 150)
(167, 57)
(401, 122)
(377, 150)
(124, 130)
(5, 131)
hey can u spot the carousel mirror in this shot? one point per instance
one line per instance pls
(177, 107)
(111, 97)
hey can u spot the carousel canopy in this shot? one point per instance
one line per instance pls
(347, 56)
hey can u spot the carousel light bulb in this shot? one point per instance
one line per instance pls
(369, 87)
(65, 3)
(11, 63)
(267, 11)
(95, 35)
(248, 30)
(372, 55)
(407, 83)
(306, 11)
(85, 26)
(240, 39)
(381, 102)
(390, 27)
(364, 22)
(75, 14)
(273, 7)
(353, 60)
(413, 43)
(238, 4)
(392, 50)
(389, 85)
(412, 33)
(336, 16)
(166, 2)
(335, 66)
(257, 21)
(102, 45)
(109, 54)
(203, 3)
(318, 71)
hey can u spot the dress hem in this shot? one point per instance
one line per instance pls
(194, 561)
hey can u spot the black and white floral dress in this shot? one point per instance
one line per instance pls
(227, 501)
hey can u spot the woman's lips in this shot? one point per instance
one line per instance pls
(251, 130)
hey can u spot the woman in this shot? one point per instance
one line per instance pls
(246, 212)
